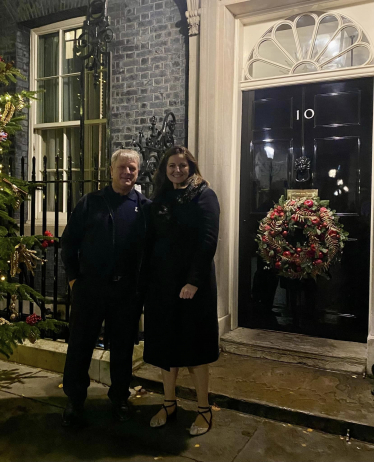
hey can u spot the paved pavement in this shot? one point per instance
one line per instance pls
(31, 402)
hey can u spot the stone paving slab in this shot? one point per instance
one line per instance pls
(330, 401)
(30, 431)
(38, 383)
(276, 442)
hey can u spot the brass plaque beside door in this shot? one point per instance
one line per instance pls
(297, 193)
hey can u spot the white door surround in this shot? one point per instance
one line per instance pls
(215, 91)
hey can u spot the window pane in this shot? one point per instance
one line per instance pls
(48, 55)
(326, 29)
(269, 50)
(70, 61)
(47, 104)
(71, 98)
(95, 97)
(72, 149)
(51, 146)
(305, 28)
(343, 40)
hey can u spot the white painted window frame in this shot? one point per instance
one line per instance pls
(34, 137)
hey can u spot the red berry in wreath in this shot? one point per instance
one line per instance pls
(294, 218)
(324, 225)
(316, 221)
(313, 247)
(278, 264)
(285, 233)
(297, 262)
(323, 209)
(267, 228)
(338, 236)
(47, 233)
(45, 244)
(320, 255)
(272, 233)
(299, 250)
(51, 241)
(264, 239)
(308, 203)
(287, 254)
(279, 208)
(318, 262)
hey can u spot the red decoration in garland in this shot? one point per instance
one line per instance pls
(33, 319)
(47, 242)
(316, 226)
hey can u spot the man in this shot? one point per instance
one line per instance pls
(101, 251)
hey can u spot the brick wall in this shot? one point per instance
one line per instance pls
(22, 62)
(149, 59)
(149, 65)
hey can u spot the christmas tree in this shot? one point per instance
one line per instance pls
(17, 253)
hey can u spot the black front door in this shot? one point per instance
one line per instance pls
(331, 124)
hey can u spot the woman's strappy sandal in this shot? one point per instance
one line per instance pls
(155, 421)
(195, 430)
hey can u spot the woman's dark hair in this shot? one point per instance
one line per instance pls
(162, 182)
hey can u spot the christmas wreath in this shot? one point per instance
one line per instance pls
(301, 238)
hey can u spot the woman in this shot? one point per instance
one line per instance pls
(181, 326)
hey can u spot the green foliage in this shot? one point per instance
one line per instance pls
(16, 252)
(15, 333)
(8, 73)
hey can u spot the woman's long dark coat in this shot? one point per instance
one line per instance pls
(182, 243)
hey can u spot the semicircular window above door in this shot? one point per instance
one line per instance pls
(309, 42)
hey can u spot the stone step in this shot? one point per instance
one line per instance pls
(300, 349)
(333, 402)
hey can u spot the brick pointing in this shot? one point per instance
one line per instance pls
(149, 65)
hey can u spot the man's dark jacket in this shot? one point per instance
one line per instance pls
(88, 242)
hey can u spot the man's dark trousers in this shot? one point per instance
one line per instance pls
(92, 302)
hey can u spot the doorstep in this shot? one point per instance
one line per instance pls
(51, 355)
(333, 402)
(300, 349)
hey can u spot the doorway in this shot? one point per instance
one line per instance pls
(331, 124)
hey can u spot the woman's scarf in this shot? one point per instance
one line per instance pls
(163, 206)
(195, 186)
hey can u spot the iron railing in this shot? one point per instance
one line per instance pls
(34, 217)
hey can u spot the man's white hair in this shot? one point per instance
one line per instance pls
(130, 154)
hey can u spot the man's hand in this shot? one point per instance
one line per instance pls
(71, 283)
(188, 291)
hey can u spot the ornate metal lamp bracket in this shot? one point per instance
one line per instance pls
(302, 168)
(92, 44)
(153, 147)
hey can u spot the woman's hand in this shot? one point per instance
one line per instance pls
(188, 291)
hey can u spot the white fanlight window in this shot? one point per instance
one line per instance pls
(308, 42)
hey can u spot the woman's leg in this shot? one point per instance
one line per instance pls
(200, 378)
(169, 379)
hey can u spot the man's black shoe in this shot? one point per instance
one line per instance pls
(72, 414)
(121, 411)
